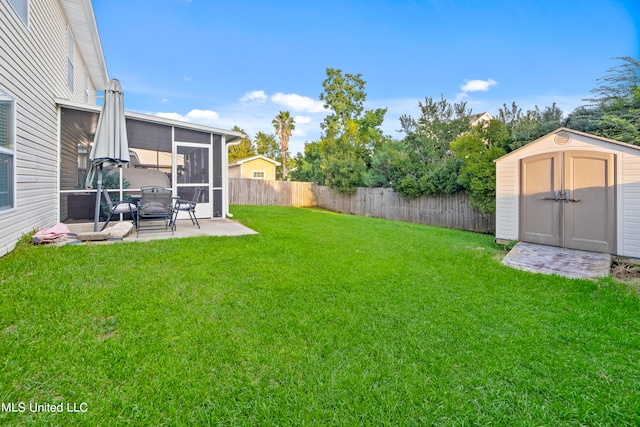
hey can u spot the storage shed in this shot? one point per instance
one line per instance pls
(571, 189)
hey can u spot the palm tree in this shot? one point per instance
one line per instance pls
(284, 124)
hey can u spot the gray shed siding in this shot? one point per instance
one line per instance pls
(507, 200)
(33, 71)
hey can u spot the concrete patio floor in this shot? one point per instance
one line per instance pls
(563, 262)
(184, 228)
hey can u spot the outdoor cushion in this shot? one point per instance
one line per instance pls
(185, 206)
(123, 208)
(151, 208)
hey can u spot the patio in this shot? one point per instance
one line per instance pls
(184, 228)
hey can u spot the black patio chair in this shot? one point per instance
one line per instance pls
(156, 204)
(189, 206)
(118, 207)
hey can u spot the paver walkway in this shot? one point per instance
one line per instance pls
(563, 262)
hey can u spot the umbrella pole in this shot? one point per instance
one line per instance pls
(96, 218)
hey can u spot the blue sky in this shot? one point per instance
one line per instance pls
(226, 63)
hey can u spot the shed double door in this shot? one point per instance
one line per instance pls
(567, 199)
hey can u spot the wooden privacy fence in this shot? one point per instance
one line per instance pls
(258, 192)
(444, 210)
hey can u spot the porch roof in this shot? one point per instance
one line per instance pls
(231, 137)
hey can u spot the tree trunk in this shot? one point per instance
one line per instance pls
(284, 165)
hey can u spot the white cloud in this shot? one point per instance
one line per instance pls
(474, 86)
(302, 120)
(298, 103)
(477, 85)
(203, 117)
(256, 95)
(173, 116)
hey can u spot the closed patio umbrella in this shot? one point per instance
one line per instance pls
(110, 144)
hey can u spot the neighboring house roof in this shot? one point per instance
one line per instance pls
(562, 132)
(248, 159)
(474, 119)
(85, 30)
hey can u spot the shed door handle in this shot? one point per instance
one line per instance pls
(554, 198)
(568, 199)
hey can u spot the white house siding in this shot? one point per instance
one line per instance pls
(627, 178)
(33, 70)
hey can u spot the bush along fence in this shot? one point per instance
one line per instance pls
(444, 210)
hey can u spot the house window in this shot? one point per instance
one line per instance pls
(71, 45)
(7, 151)
(258, 175)
(22, 9)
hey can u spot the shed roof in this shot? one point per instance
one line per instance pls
(567, 130)
(248, 159)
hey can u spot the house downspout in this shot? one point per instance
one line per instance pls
(225, 175)
(58, 162)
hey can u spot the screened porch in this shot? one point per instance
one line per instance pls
(163, 152)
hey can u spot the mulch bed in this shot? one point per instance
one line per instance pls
(626, 272)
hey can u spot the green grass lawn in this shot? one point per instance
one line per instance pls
(321, 319)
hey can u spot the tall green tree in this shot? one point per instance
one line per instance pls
(242, 150)
(266, 145)
(424, 164)
(350, 134)
(308, 165)
(476, 152)
(344, 97)
(551, 118)
(384, 163)
(526, 127)
(618, 83)
(439, 123)
(585, 119)
(614, 110)
(284, 125)
(621, 118)
(522, 127)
